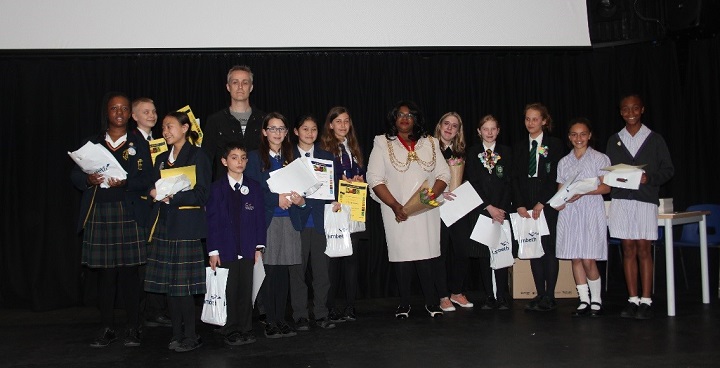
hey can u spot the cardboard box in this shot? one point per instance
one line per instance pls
(522, 285)
(666, 205)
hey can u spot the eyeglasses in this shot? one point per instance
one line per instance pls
(276, 129)
(405, 116)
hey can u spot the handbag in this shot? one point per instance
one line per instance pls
(528, 236)
(214, 309)
(501, 256)
(337, 231)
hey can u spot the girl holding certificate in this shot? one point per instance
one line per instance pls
(338, 138)
(176, 260)
(582, 224)
(488, 170)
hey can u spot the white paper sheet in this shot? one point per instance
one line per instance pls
(487, 231)
(623, 176)
(466, 200)
(297, 177)
(325, 173)
(258, 278)
(94, 159)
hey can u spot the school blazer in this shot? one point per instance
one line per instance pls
(221, 224)
(525, 193)
(316, 207)
(495, 188)
(139, 178)
(185, 215)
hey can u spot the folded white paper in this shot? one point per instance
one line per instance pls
(466, 199)
(487, 231)
(295, 177)
(623, 176)
(95, 159)
(570, 189)
(171, 185)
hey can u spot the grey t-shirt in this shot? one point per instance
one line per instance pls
(242, 117)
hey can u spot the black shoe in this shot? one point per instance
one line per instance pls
(349, 314)
(107, 337)
(159, 321)
(533, 304)
(174, 344)
(263, 318)
(547, 304)
(272, 331)
(222, 331)
(402, 312)
(489, 303)
(238, 338)
(629, 311)
(434, 310)
(644, 311)
(189, 345)
(325, 323)
(503, 304)
(302, 324)
(286, 330)
(336, 317)
(132, 337)
(596, 312)
(582, 310)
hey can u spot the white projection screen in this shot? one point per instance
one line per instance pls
(287, 24)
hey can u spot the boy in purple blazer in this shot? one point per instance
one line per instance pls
(236, 238)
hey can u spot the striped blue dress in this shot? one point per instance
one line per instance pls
(582, 225)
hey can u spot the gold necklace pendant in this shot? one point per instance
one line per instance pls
(412, 156)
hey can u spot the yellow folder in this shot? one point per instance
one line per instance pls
(188, 171)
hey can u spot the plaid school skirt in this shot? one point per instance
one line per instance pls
(174, 267)
(112, 238)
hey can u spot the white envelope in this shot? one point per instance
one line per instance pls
(487, 232)
(297, 177)
(466, 200)
(623, 176)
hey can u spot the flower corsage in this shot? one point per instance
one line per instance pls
(489, 159)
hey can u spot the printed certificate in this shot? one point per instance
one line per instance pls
(354, 195)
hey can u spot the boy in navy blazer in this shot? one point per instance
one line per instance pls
(236, 238)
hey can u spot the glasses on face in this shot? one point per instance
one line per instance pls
(276, 129)
(401, 116)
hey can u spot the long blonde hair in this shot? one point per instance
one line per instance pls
(458, 142)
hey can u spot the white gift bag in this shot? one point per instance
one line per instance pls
(214, 309)
(528, 236)
(337, 231)
(501, 256)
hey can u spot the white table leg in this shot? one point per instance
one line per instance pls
(704, 262)
(669, 267)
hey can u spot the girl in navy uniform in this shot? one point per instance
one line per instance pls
(176, 261)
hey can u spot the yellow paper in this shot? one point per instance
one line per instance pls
(188, 171)
(194, 124)
(157, 146)
(354, 195)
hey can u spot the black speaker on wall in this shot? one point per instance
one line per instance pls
(689, 14)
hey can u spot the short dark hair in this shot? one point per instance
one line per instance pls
(233, 145)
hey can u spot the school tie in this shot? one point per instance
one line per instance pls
(532, 167)
(307, 154)
(344, 157)
(237, 186)
(149, 138)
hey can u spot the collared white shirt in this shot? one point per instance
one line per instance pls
(539, 140)
(303, 153)
(115, 144)
(633, 143)
(347, 148)
(491, 147)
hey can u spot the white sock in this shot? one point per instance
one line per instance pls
(595, 288)
(647, 301)
(583, 293)
(634, 299)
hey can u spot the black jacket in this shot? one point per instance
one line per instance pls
(221, 128)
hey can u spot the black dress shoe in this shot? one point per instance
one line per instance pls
(533, 304)
(336, 317)
(582, 310)
(240, 338)
(132, 337)
(503, 304)
(349, 314)
(302, 324)
(644, 311)
(286, 330)
(272, 331)
(629, 311)
(402, 312)
(547, 304)
(596, 312)
(434, 310)
(189, 345)
(325, 323)
(489, 303)
(107, 337)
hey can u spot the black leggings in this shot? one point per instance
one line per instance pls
(182, 314)
(126, 279)
(404, 272)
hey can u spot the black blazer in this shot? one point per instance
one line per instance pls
(316, 206)
(185, 215)
(529, 191)
(221, 128)
(495, 188)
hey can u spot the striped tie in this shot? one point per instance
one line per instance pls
(532, 167)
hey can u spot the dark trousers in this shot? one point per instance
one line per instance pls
(182, 315)
(344, 268)
(501, 279)
(404, 271)
(313, 249)
(546, 268)
(126, 278)
(238, 293)
(455, 257)
(275, 289)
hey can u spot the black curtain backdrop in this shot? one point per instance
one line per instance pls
(51, 101)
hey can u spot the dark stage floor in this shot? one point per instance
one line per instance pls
(466, 338)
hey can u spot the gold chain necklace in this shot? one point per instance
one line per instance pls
(427, 166)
